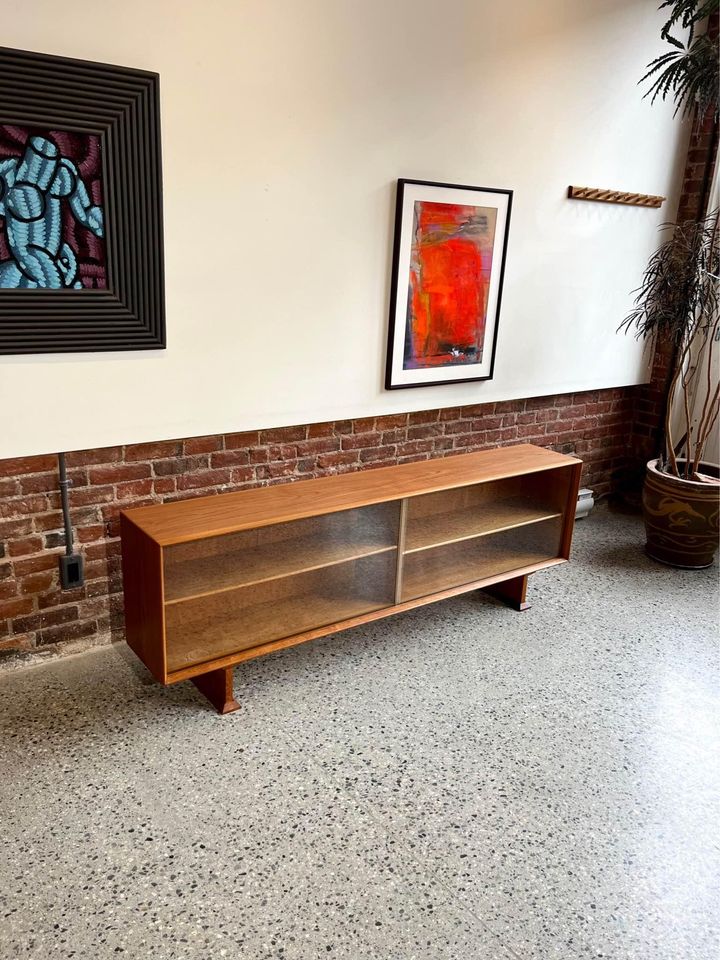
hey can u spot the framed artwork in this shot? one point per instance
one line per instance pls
(81, 247)
(447, 274)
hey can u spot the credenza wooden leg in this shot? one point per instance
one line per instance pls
(512, 592)
(217, 686)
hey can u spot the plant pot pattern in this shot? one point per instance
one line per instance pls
(682, 517)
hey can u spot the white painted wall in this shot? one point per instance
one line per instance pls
(277, 312)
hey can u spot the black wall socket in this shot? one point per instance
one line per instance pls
(71, 571)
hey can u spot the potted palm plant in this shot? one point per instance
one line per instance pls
(676, 305)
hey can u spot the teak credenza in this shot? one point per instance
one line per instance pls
(214, 581)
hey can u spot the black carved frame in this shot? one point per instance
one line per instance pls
(122, 107)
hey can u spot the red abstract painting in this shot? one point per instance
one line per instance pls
(450, 265)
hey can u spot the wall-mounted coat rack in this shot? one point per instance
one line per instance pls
(615, 196)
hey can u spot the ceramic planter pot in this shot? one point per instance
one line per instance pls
(681, 517)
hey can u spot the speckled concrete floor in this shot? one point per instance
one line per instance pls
(461, 782)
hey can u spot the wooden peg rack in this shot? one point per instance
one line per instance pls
(615, 196)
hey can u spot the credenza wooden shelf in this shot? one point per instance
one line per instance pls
(214, 581)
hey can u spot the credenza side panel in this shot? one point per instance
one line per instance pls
(143, 589)
(570, 509)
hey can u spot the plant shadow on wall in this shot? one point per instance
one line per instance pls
(677, 308)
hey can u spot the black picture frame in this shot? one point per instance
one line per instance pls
(401, 239)
(121, 106)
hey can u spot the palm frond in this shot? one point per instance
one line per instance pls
(690, 76)
(679, 295)
(686, 13)
(679, 301)
(689, 73)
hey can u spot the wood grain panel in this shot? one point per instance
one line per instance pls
(213, 516)
(217, 686)
(570, 507)
(143, 592)
(512, 592)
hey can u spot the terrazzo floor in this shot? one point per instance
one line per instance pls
(460, 782)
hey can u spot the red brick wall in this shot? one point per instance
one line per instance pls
(35, 612)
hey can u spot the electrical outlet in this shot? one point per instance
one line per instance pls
(71, 571)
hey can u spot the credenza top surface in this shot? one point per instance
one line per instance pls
(201, 517)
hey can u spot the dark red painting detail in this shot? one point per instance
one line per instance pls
(82, 151)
